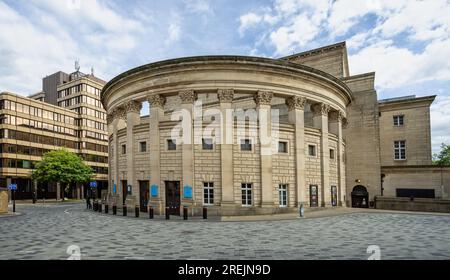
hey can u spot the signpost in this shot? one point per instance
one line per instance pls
(13, 188)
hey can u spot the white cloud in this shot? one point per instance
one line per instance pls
(247, 21)
(174, 32)
(439, 119)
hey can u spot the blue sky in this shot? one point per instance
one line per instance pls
(406, 42)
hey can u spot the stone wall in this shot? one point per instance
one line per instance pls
(418, 204)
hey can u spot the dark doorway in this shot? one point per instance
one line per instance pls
(313, 196)
(124, 190)
(173, 197)
(143, 195)
(334, 196)
(360, 197)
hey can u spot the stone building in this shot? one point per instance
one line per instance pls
(67, 113)
(250, 135)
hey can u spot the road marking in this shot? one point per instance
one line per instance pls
(67, 212)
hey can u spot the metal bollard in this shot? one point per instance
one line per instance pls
(106, 208)
(167, 213)
(95, 206)
(150, 213)
(136, 211)
(124, 210)
(205, 213)
(114, 210)
(185, 213)
(100, 208)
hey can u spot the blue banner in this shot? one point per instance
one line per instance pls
(187, 191)
(12, 187)
(154, 190)
(93, 184)
(115, 188)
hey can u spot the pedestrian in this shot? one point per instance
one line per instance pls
(34, 197)
(88, 202)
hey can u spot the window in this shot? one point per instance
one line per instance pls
(246, 194)
(400, 150)
(246, 145)
(282, 147)
(143, 147)
(312, 150)
(207, 144)
(331, 154)
(282, 194)
(208, 193)
(398, 120)
(171, 145)
(124, 149)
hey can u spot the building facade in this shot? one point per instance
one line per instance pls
(67, 113)
(247, 135)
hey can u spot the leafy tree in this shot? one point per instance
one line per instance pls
(63, 167)
(443, 158)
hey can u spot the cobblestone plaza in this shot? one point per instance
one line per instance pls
(46, 232)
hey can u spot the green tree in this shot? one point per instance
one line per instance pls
(443, 158)
(63, 167)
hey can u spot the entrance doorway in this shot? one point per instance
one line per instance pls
(124, 191)
(334, 196)
(360, 197)
(143, 195)
(313, 196)
(173, 197)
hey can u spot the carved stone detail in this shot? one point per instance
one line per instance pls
(156, 100)
(337, 116)
(263, 98)
(225, 95)
(133, 107)
(320, 109)
(187, 96)
(296, 103)
(118, 113)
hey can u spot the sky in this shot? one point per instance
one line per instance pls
(406, 42)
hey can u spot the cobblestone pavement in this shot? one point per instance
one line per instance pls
(46, 231)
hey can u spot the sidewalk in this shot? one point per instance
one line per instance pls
(48, 201)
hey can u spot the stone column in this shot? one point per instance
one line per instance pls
(320, 121)
(336, 118)
(296, 107)
(156, 103)
(263, 104)
(118, 115)
(225, 97)
(188, 98)
(133, 109)
(58, 191)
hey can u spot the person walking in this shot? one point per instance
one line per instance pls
(88, 202)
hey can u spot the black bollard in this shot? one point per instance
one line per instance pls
(167, 213)
(136, 211)
(205, 213)
(185, 213)
(124, 210)
(114, 210)
(106, 208)
(94, 206)
(100, 208)
(150, 213)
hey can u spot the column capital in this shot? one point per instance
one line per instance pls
(320, 109)
(296, 103)
(263, 98)
(132, 107)
(225, 95)
(344, 123)
(337, 115)
(110, 118)
(187, 96)
(118, 113)
(156, 100)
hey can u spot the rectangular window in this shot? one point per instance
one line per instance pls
(124, 149)
(282, 194)
(246, 194)
(207, 144)
(171, 145)
(246, 145)
(398, 120)
(312, 150)
(331, 154)
(143, 147)
(400, 150)
(282, 147)
(208, 193)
